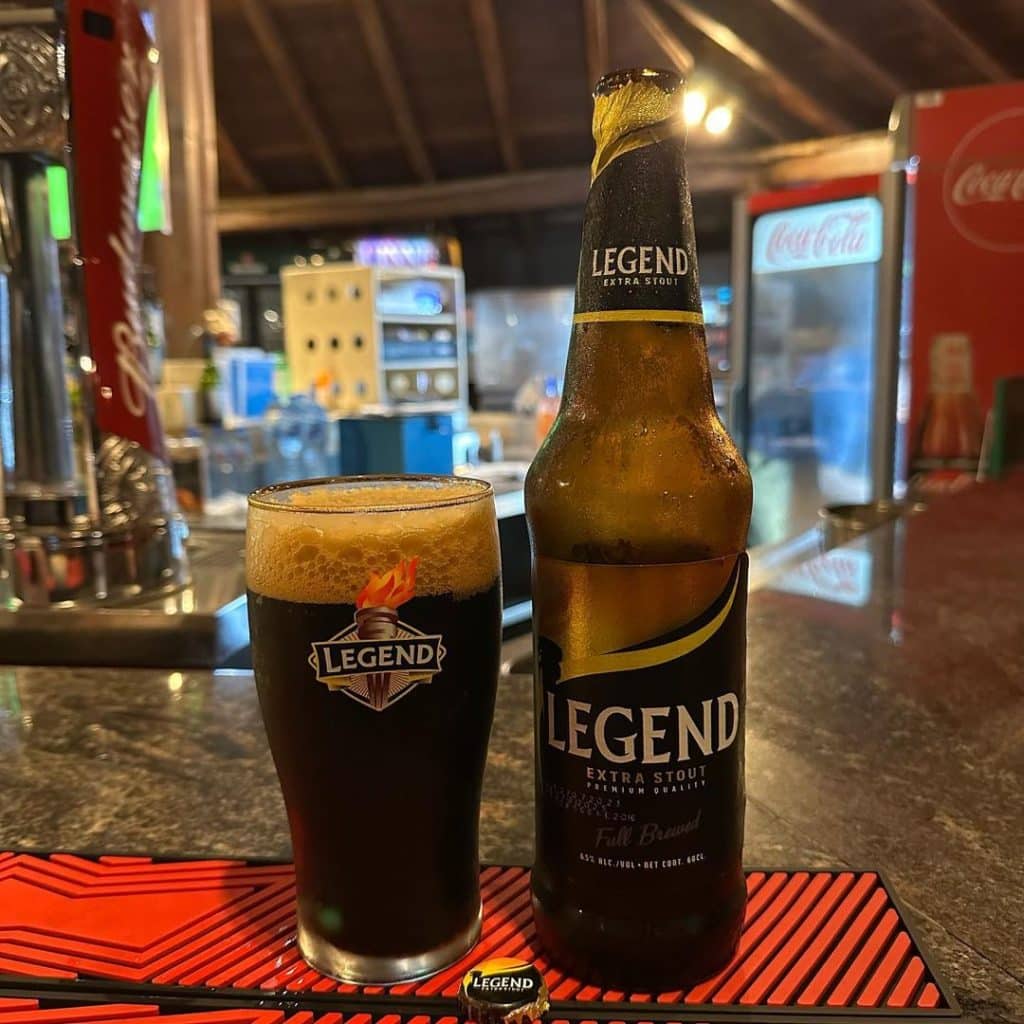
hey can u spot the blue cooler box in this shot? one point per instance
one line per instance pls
(413, 443)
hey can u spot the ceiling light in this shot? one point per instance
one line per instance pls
(718, 120)
(695, 104)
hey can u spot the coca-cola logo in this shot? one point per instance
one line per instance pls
(839, 234)
(983, 186)
(832, 234)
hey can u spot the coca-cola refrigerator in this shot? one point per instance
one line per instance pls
(876, 314)
(816, 395)
(963, 154)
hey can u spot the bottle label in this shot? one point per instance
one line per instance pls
(640, 706)
(951, 360)
(638, 260)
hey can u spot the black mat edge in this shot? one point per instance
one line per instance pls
(65, 999)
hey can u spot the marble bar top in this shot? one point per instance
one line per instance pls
(885, 730)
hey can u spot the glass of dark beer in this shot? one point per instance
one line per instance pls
(375, 613)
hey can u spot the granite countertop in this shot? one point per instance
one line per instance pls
(885, 730)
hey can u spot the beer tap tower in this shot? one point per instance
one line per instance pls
(87, 508)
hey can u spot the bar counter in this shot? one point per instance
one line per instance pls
(885, 730)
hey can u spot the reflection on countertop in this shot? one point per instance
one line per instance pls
(202, 623)
(885, 730)
(205, 623)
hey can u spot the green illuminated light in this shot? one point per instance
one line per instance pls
(152, 214)
(152, 209)
(60, 201)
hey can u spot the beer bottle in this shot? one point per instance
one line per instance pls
(638, 505)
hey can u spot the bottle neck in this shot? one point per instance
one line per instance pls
(634, 370)
(638, 336)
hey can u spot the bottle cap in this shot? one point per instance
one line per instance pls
(503, 991)
(632, 109)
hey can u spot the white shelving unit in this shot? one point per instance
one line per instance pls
(378, 336)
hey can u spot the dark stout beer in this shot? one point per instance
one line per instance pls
(375, 610)
(638, 504)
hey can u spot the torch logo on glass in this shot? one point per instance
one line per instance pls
(379, 659)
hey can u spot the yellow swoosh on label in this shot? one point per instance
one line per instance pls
(630, 661)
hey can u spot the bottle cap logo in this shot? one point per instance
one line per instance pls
(503, 991)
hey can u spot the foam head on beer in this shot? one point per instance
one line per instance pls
(320, 543)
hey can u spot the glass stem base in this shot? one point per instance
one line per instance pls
(358, 969)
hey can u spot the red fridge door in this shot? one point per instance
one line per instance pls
(966, 254)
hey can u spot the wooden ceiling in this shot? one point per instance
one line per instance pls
(330, 95)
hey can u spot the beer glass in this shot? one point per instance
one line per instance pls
(375, 613)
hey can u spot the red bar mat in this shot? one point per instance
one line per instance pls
(815, 944)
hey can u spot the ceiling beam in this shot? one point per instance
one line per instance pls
(236, 165)
(488, 42)
(680, 55)
(289, 82)
(887, 84)
(499, 193)
(838, 156)
(386, 65)
(595, 37)
(710, 171)
(474, 132)
(667, 41)
(977, 56)
(795, 98)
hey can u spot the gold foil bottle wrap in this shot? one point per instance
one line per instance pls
(632, 109)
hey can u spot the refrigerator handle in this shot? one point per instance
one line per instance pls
(884, 421)
(739, 340)
(891, 291)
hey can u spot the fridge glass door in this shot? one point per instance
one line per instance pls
(813, 304)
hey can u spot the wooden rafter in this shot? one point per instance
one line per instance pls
(679, 54)
(286, 75)
(668, 42)
(839, 156)
(595, 33)
(488, 41)
(732, 171)
(386, 65)
(794, 97)
(980, 59)
(513, 192)
(886, 83)
(237, 166)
